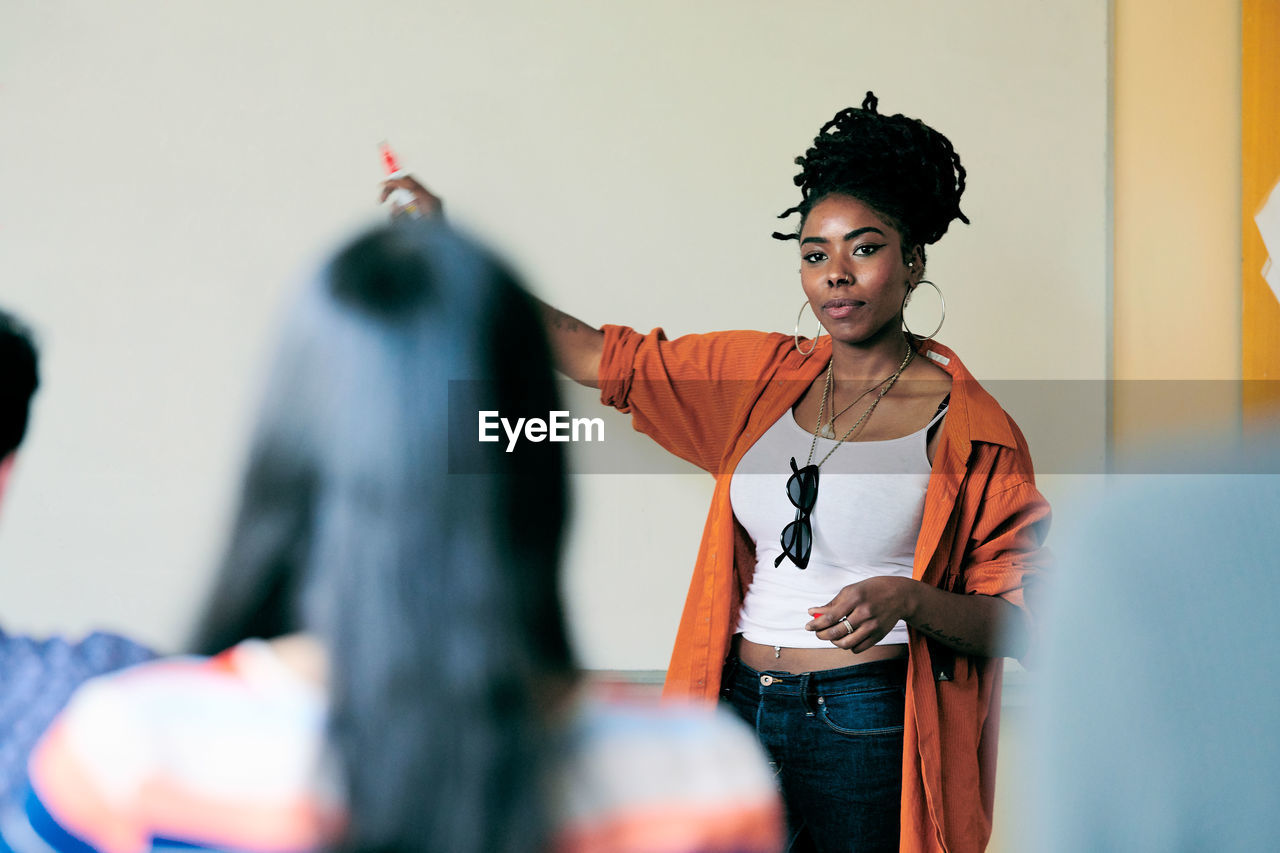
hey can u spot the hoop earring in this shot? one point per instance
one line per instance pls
(796, 333)
(907, 299)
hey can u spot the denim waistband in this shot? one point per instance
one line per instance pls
(873, 675)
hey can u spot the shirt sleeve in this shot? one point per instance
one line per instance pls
(1007, 556)
(688, 394)
(1008, 543)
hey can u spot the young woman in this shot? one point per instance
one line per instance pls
(396, 673)
(875, 517)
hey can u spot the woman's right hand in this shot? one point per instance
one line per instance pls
(428, 203)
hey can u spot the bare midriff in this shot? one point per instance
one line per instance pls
(782, 659)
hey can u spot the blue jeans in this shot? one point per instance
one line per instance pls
(834, 739)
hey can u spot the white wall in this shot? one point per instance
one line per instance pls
(169, 170)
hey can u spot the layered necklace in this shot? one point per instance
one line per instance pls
(802, 485)
(829, 430)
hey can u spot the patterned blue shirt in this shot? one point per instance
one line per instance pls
(37, 677)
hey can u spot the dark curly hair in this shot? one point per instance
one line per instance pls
(902, 168)
(19, 379)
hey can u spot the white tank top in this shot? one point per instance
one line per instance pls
(865, 523)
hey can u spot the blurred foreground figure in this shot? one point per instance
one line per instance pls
(396, 673)
(1159, 694)
(37, 676)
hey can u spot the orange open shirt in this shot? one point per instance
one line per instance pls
(707, 398)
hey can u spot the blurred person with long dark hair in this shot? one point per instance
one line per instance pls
(37, 674)
(383, 664)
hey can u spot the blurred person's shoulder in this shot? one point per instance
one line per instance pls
(184, 715)
(182, 748)
(44, 670)
(248, 671)
(639, 775)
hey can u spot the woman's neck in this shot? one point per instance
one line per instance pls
(868, 362)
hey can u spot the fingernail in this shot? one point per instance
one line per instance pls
(817, 616)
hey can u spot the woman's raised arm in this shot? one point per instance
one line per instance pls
(575, 346)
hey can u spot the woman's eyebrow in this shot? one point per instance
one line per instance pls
(854, 233)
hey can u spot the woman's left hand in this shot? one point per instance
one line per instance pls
(872, 606)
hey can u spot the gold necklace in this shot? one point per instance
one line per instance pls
(829, 430)
(884, 385)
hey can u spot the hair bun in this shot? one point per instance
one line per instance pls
(903, 168)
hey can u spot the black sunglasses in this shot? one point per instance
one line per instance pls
(797, 537)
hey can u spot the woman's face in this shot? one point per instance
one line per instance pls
(852, 270)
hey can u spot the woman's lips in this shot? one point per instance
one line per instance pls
(838, 309)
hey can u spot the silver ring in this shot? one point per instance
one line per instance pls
(847, 624)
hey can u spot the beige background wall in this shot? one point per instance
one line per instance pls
(1177, 215)
(168, 171)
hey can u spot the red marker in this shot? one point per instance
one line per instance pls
(402, 201)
